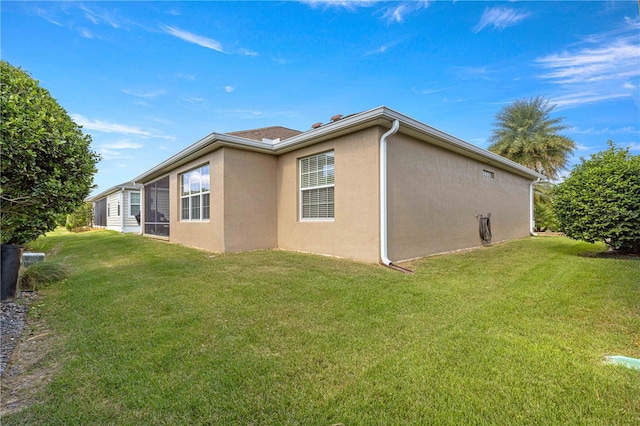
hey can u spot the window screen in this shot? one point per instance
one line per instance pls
(156, 207)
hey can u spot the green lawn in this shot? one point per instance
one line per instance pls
(156, 333)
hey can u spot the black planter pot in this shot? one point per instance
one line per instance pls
(11, 256)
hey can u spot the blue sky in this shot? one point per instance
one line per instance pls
(147, 79)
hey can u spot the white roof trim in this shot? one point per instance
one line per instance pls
(378, 116)
(125, 186)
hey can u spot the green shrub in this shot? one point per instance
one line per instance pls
(81, 219)
(42, 274)
(47, 163)
(600, 200)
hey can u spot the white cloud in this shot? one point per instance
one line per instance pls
(85, 33)
(605, 131)
(467, 73)
(398, 12)
(580, 98)
(633, 146)
(380, 50)
(499, 18)
(106, 127)
(604, 67)
(97, 16)
(346, 4)
(113, 150)
(193, 100)
(199, 40)
(145, 95)
(395, 13)
(247, 52)
(426, 91)
(228, 89)
(123, 144)
(44, 14)
(619, 59)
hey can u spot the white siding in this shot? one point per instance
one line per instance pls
(115, 220)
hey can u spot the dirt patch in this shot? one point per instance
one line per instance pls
(30, 365)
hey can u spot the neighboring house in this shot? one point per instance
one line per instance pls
(118, 208)
(372, 186)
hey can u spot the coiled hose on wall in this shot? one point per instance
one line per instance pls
(485, 227)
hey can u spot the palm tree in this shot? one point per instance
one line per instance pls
(525, 133)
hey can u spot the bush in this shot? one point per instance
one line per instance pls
(47, 164)
(42, 274)
(600, 200)
(81, 219)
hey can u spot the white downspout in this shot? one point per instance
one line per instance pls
(122, 209)
(383, 192)
(532, 222)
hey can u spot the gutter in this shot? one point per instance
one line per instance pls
(377, 116)
(122, 209)
(532, 223)
(383, 193)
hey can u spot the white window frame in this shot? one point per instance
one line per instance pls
(199, 194)
(139, 203)
(322, 184)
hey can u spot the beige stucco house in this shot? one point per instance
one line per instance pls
(118, 208)
(373, 186)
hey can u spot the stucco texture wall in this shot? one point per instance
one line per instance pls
(243, 203)
(434, 196)
(249, 200)
(354, 231)
(207, 234)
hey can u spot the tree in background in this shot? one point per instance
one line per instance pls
(47, 165)
(545, 217)
(600, 200)
(81, 219)
(525, 133)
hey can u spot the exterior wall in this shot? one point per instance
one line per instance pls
(354, 231)
(207, 234)
(434, 196)
(243, 203)
(250, 219)
(114, 220)
(130, 222)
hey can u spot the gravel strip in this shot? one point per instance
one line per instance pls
(12, 320)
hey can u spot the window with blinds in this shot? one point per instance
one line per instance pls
(317, 187)
(195, 194)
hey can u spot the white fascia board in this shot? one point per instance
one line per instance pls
(463, 147)
(381, 115)
(209, 143)
(329, 130)
(117, 188)
(385, 116)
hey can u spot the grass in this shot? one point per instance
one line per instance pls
(156, 333)
(41, 274)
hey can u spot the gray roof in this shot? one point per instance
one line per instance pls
(380, 116)
(272, 133)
